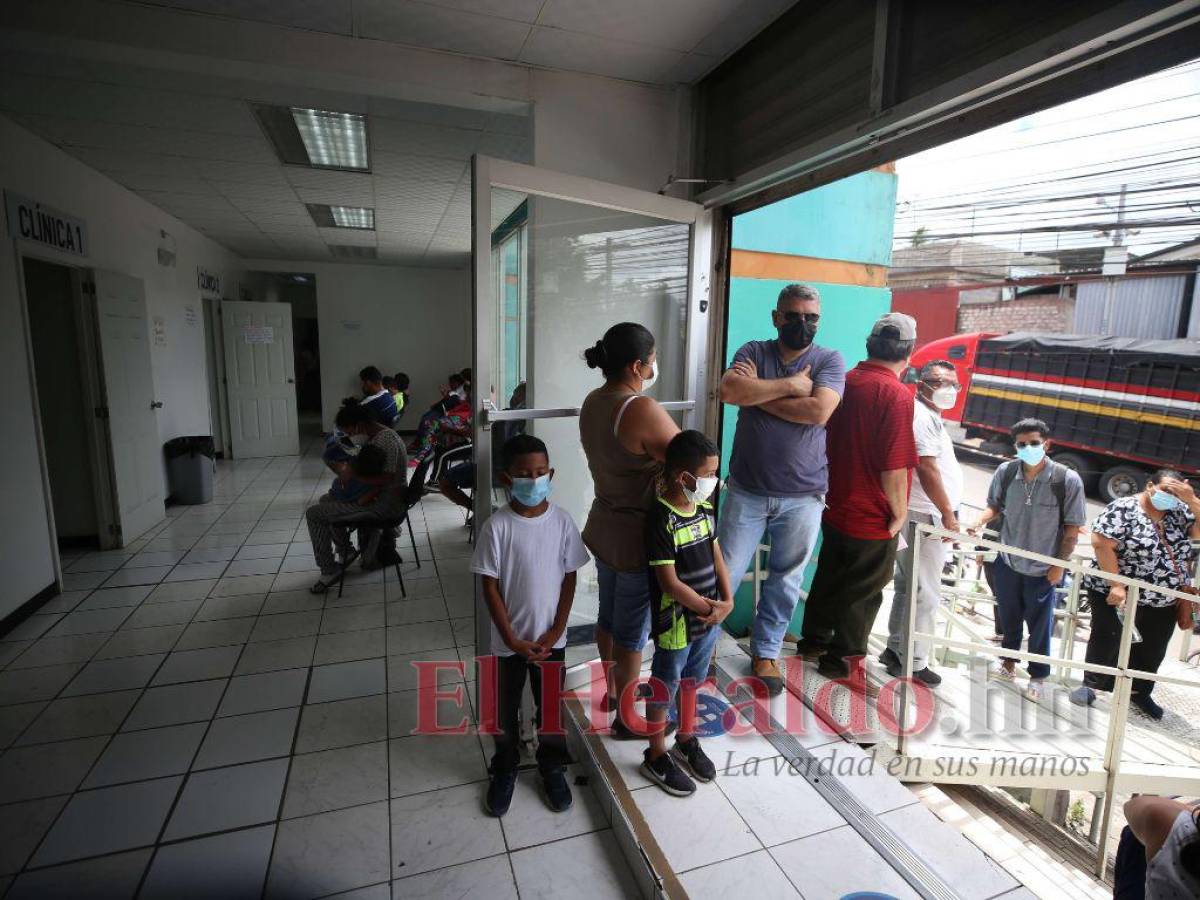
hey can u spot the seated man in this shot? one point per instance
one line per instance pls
(376, 397)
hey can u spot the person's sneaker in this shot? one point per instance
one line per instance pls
(499, 793)
(1146, 704)
(890, 659)
(1033, 690)
(1083, 696)
(833, 667)
(810, 648)
(667, 775)
(689, 753)
(767, 671)
(556, 789)
(927, 676)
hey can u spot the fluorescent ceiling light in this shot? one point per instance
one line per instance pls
(334, 140)
(353, 217)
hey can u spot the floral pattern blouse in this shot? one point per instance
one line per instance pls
(1140, 551)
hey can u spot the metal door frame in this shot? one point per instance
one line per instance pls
(488, 173)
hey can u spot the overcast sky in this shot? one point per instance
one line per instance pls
(995, 184)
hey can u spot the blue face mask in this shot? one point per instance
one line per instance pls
(1031, 456)
(531, 491)
(1161, 500)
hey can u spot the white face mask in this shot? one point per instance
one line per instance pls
(944, 397)
(703, 490)
(358, 440)
(649, 382)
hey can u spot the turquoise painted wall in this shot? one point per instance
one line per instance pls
(849, 220)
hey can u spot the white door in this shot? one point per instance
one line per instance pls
(260, 378)
(136, 455)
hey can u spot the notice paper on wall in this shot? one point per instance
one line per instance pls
(159, 327)
(258, 334)
(189, 316)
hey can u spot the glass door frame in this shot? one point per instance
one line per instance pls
(488, 173)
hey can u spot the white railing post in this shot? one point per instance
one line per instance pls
(1068, 638)
(1117, 715)
(910, 625)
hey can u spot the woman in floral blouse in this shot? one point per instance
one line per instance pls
(1147, 536)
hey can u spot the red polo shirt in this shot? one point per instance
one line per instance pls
(869, 433)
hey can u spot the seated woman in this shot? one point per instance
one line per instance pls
(329, 516)
(445, 431)
(1148, 537)
(1158, 857)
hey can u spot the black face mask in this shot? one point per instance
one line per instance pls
(798, 335)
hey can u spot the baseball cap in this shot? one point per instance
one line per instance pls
(906, 326)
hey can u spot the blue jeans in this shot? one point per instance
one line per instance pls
(672, 666)
(793, 524)
(1024, 600)
(625, 605)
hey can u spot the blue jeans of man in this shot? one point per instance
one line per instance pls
(792, 524)
(1024, 601)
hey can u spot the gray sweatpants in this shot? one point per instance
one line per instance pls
(932, 559)
(327, 526)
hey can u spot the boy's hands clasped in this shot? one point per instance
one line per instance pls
(536, 651)
(720, 611)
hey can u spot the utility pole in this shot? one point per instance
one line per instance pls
(1115, 258)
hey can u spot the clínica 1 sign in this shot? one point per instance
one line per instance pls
(32, 221)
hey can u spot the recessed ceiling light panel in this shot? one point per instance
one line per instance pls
(334, 140)
(353, 217)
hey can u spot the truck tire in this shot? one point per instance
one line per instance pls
(1085, 467)
(1122, 481)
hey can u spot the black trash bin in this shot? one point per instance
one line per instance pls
(190, 468)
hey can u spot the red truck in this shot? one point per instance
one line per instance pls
(1118, 408)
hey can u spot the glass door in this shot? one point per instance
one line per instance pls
(557, 260)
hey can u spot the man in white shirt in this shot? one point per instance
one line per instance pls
(934, 500)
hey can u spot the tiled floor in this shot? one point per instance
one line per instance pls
(187, 720)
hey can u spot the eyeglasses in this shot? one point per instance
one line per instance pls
(810, 318)
(1021, 444)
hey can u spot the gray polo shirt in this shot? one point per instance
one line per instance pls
(773, 457)
(1033, 520)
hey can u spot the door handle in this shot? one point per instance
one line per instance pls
(156, 404)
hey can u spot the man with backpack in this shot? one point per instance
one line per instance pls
(1040, 507)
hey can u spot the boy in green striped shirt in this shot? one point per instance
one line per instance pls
(696, 597)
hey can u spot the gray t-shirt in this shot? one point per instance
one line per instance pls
(773, 457)
(1033, 520)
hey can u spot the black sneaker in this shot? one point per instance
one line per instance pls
(556, 789)
(499, 793)
(810, 648)
(833, 667)
(890, 658)
(667, 775)
(927, 676)
(1146, 704)
(690, 754)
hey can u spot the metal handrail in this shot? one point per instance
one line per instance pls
(491, 414)
(1123, 675)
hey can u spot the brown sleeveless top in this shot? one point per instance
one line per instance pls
(624, 483)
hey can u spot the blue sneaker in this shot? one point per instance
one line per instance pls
(499, 793)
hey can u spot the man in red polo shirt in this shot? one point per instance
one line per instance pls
(872, 454)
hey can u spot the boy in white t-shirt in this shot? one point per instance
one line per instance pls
(527, 554)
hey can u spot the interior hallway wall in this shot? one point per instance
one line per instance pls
(123, 232)
(838, 239)
(399, 319)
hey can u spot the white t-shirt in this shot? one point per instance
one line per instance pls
(530, 558)
(933, 440)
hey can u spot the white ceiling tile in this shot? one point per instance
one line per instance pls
(360, 197)
(415, 138)
(132, 160)
(189, 201)
(674, 24)
(691, 69)
(248, 193)
(519, 10)
(406, 167)
(423, 25)
(235, 172)
(558, 49)
(327, 179)
(334, 16)
(746, 20)
(138, 181)
(356, 237)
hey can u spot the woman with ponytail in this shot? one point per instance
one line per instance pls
(624, 435)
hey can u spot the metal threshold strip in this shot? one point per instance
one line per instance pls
(886, 842)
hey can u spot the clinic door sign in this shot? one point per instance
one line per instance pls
(45, 225)
(208, 283)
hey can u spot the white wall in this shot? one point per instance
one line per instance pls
(123, 231)
(610, 130)
(399, 319)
